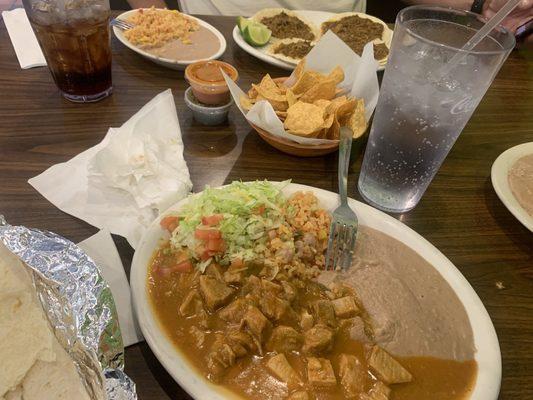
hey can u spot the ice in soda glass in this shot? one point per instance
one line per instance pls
(74, 37)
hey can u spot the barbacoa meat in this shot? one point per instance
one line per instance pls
(295, 50)
(284, 26)
(380, 51)
(356, 32)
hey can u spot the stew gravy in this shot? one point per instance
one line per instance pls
(433, 378)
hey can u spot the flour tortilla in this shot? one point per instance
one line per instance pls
(33, 364)
(58, 380)
(24, 333)
(15, 394)
(271, 12)
(272, 48)
(386, 37)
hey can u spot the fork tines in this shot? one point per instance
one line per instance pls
(341, 244)
(121, 24)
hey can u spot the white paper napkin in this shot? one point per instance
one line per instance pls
(101, 248)
(24, 42)
(125, 181)
(360, 81)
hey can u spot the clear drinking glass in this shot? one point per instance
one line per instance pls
(74, 37)
(420, 113)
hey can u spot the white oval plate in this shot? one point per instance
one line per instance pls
(167, 62)
(315, 17)
(499, 172)
(488, 350)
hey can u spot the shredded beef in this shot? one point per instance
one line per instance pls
(284, 26)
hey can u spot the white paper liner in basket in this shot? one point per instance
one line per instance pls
(360, 81)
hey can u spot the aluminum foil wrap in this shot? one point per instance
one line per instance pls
(79, 305)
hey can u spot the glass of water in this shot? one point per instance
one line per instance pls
(422, 109)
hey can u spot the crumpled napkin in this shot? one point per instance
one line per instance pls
(125, 181)
(24, 42)
(101, 248)
(360, 81)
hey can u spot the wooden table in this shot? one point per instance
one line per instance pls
(460, 213)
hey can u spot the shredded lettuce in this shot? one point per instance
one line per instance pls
(243, 228)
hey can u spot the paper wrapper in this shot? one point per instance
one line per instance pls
(79, 306)
(360, 81)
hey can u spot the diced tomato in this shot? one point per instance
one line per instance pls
(260, 209)
(169, 223)
(216, 245)
(215, 234)
(212, 220)
(199, 249)
(237, 263)
(207, 234)
(206, 255)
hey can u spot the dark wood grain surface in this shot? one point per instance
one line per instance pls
(460, 213)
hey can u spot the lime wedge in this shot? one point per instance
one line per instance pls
(242, 23)
(256, 34)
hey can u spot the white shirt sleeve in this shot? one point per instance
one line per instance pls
(250, 7)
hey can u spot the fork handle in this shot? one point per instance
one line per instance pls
(345, 145)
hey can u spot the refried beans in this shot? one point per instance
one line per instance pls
(520, 180)
(413, 310)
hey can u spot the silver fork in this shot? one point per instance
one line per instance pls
(121, 24)
(343, 231)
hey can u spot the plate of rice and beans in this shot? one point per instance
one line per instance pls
(294, 33)
(231, 295)
(170, 38)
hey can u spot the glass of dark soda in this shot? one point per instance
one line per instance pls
(74, 36)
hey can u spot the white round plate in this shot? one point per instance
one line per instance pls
(315, 17)
(488, 350)
(499, 172)
(167, 62)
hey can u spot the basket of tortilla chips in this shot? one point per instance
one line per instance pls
(312, 107)
(302, 114)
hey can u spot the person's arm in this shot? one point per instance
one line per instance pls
(520, 15)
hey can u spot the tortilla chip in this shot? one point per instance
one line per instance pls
(339, 91)
(322, 90)
(252, 93)
(299, 70)
(307, 81)
(304, 119)
(246, 102)
(277, 100)
(337, 75)
(357, 121)
(282, 88)
(334, 131)
(344, 111)
(281, 114)
(268, 94)
(267, 83)
(322, 103)
(291, 97)
(328, 121)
